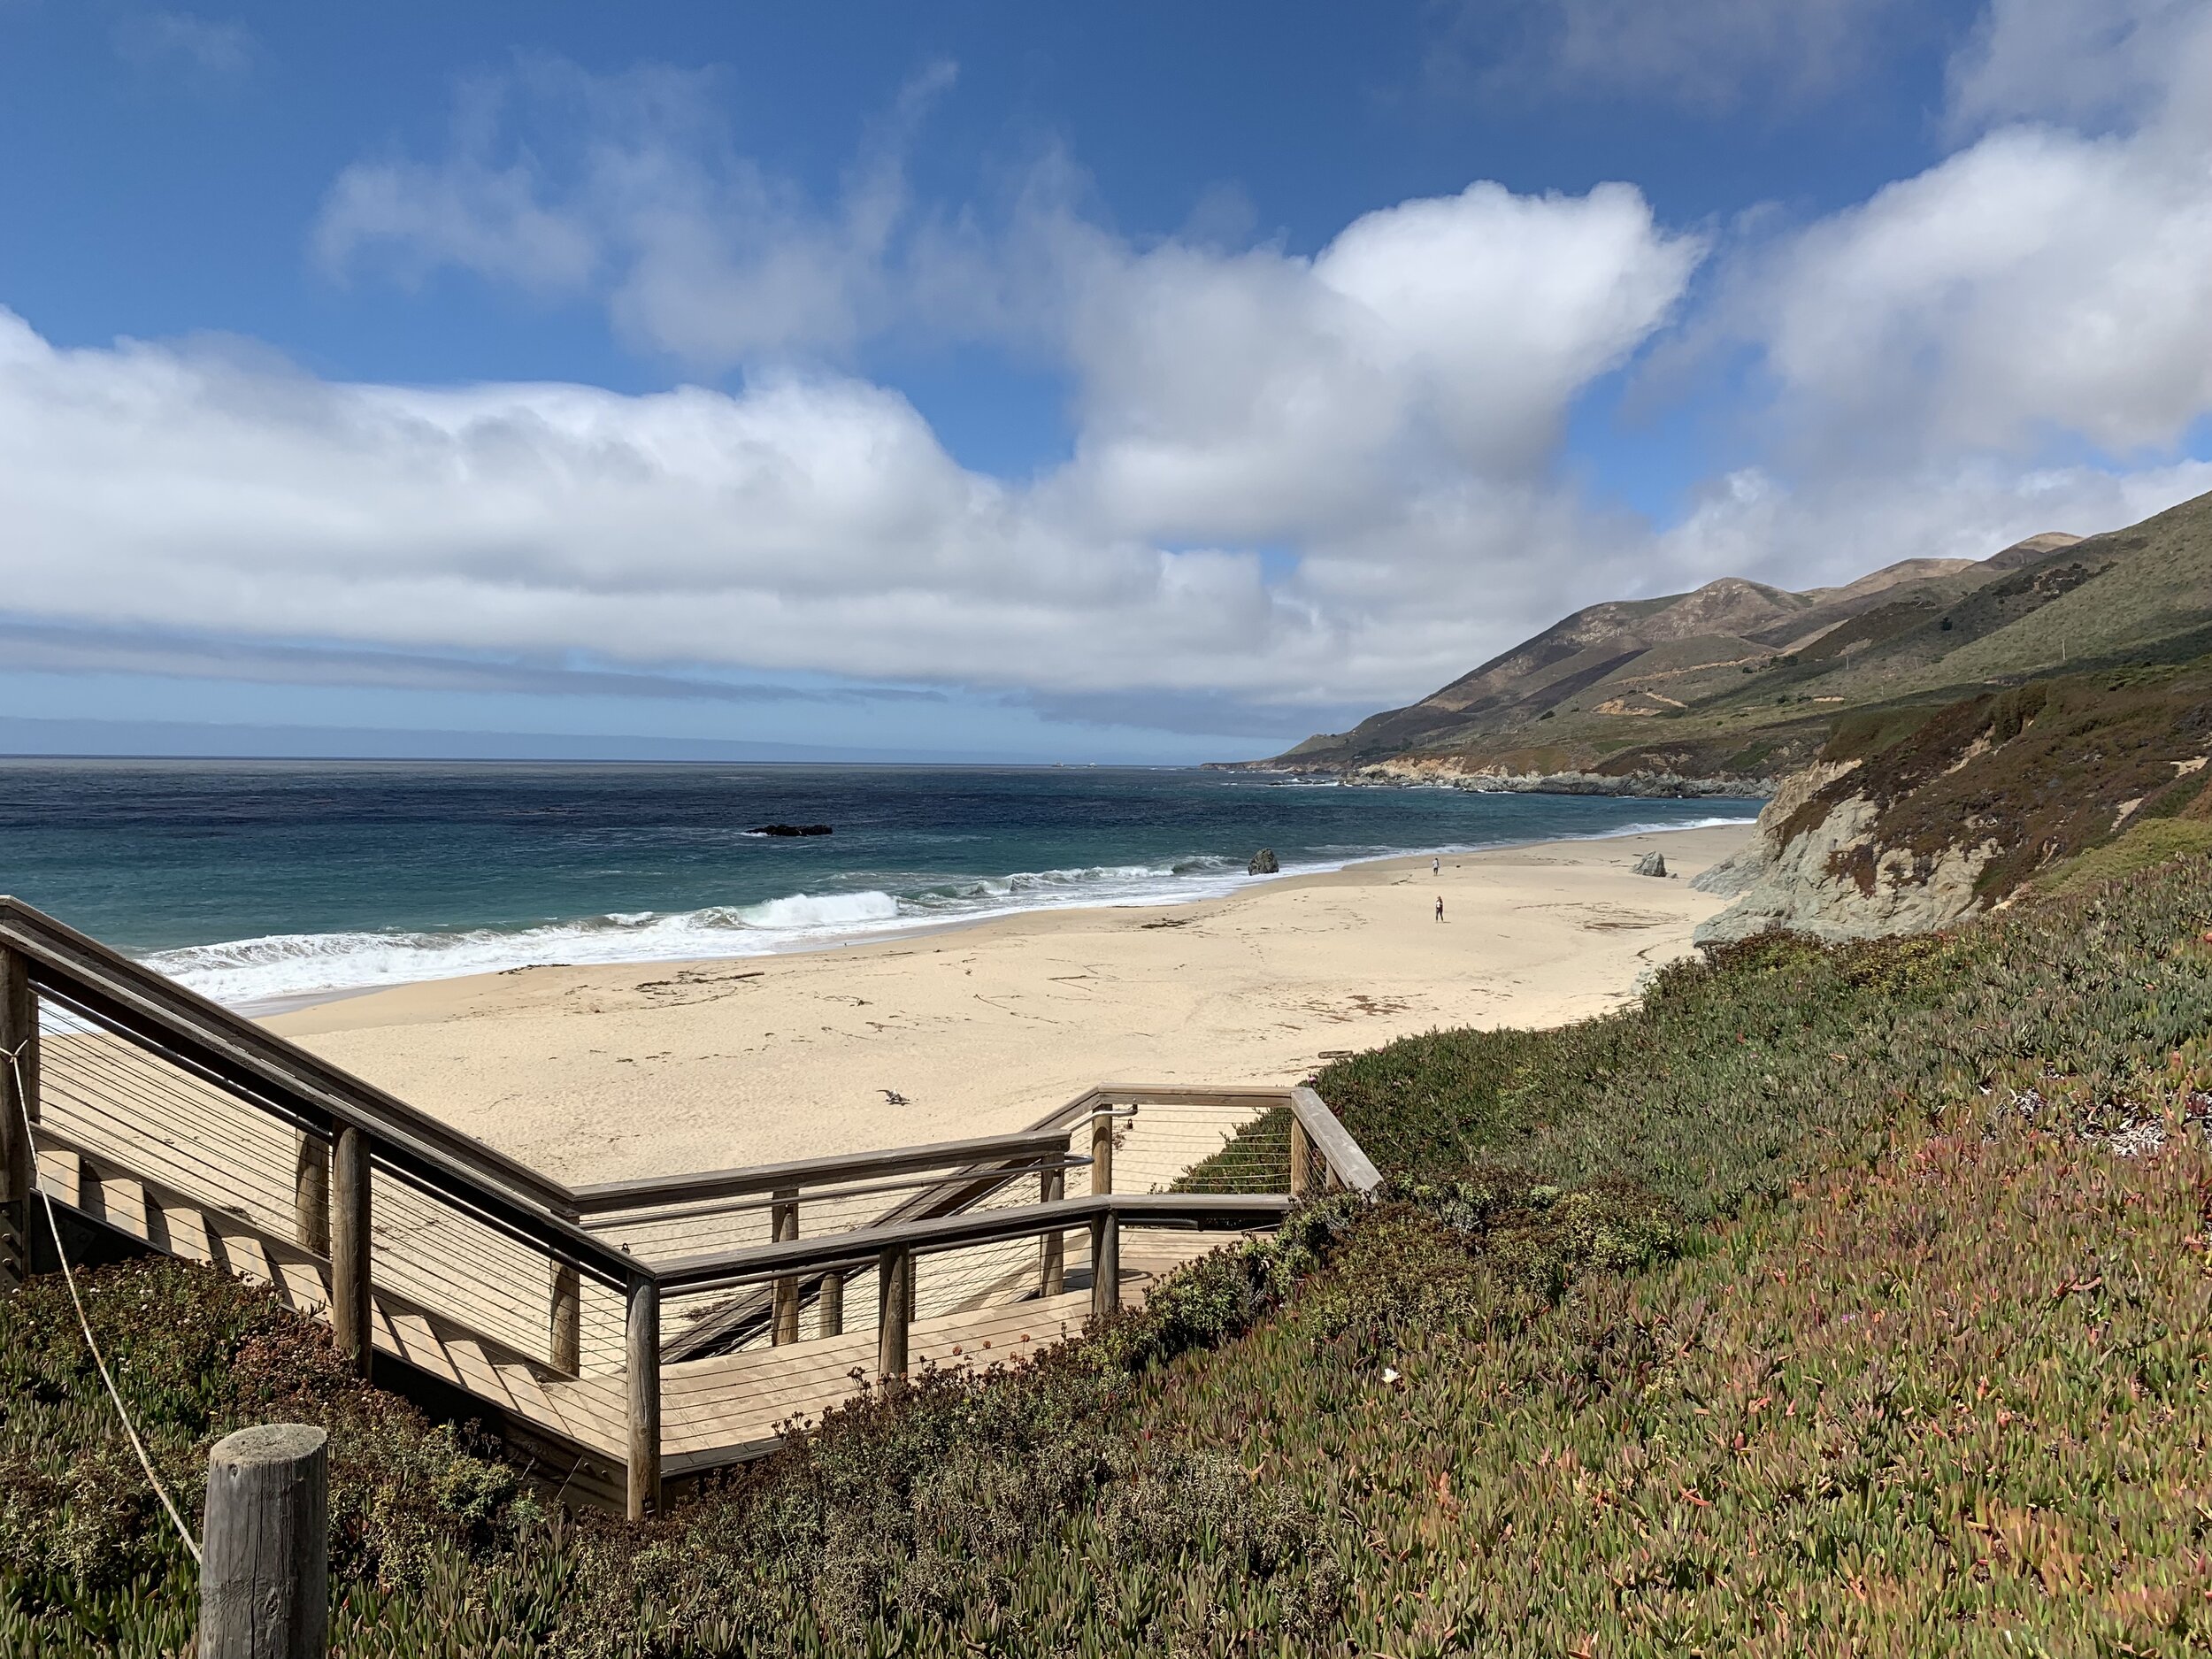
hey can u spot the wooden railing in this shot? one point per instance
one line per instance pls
(243, 1140)
(770, 1203)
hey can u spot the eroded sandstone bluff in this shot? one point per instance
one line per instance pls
(1913, 819)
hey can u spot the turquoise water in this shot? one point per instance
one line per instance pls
(253, 881)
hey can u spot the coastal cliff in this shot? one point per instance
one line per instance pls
(1910, 823)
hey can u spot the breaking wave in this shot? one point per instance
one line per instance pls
(280, 968)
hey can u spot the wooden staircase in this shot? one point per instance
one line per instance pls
(188, 1130)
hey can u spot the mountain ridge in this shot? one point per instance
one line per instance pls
(1736, 682)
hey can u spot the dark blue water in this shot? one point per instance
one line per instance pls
(258, 879)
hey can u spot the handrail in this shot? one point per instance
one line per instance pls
(282, 1077)
(1350, 1165)
(656, 1191)
(721, 1268)
(661, 1216)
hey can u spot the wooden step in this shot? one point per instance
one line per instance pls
(477, 1373)
(418, 1345)
(185, 1233)
(60, 1172)
(111, 1198)
(520, 1380)
(243, 1251)
(302, 1283)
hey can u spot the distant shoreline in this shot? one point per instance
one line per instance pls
(1635, 786)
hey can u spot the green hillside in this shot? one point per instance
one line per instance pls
(2151, 596)
(1741, 681)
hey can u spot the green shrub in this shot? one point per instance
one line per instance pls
(2143, 845)
(88, 1561)
(1809, 1304)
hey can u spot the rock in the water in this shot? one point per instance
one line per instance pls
(793, 829)
(1264, 864)
(1651, 864)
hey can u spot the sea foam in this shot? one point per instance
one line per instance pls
(283, 967)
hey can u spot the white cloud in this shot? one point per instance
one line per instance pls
(1257, 395)
(482, 217)
(805, 524)
(1709, 55)
(1833, 530)
(627, 187)
(2038, 282)
(2090, 62)
(202, 49)
(1385, 412)
(2045, 289)
(1384, 415)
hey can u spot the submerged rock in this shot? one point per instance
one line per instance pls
(794, 829)
(1263, 863)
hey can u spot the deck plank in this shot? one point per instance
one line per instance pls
(420, 1347)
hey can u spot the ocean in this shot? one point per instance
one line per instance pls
(257, 882)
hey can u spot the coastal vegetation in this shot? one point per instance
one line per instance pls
(1854, 1295)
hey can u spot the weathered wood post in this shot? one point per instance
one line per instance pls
(784, 1224)
(311, 1193)
(1301, 1159)
(19, 1109)
(564, 1319)
(644, 1380)
(1105, 1264)
(894, 1307)
(1101, 1151)
(349, 1248)
(831, 1299)
(264, 1547)
(1052, 1187)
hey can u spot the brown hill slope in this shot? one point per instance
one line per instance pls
(1737, 682)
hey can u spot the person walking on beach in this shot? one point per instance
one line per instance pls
(1439, 907)
(1436, 866)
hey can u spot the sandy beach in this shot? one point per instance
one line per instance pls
(600, 1072)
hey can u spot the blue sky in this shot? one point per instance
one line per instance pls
(1140, 382)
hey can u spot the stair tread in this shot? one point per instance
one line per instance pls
(188, 1234)
(521, 1382)
(478, 1374)
(420, 1347)
(244, 1254)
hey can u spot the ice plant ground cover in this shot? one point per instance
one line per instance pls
(1850, 1298)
